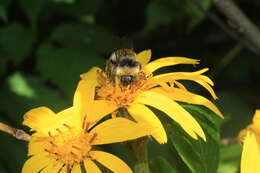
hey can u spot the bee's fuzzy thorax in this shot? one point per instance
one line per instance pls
(127, 70)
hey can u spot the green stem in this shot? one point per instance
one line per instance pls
(139, 150)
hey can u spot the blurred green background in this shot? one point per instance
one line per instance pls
(46, 44)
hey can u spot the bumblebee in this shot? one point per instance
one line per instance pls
(122, 67)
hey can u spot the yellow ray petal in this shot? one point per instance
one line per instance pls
(169, 61)
(37, 119)
(256, 118)
(86, 87)
(76, 169)
(90, 166)
(250, 155)
(37, 146)
(110, 161)
(100, 108)
(180, 85)
(193, 76)
(43, 120)
(173, 110)
(36, 163)
(144, 57)
(108, 131)
(256, 122)
(188, 97)
(143, 114)
(85, 92)
(91, 74)
(52, 168)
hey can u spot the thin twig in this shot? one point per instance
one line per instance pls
(226, 28)
(17, 133)
(226, 60)
(239, 22)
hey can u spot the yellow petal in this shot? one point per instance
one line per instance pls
(86, 87)
(90, 166)
(193, 76)
(63, 170)
(118, 130)
(37, 146)
(85, 92)
(173, 110)
(242, 135)
(36, 163)
(91, 74)
(52, 168)
(100, 108)
(255, 126)
(180, 85)
(251, 154)
(188, 97)
(256, 118)
(143, 114)
(144, 57)
(169, 61)
(37, 119)
(43, 120)
(76, 169)
(110, 161)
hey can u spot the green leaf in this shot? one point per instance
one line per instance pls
(33, 92)
(157, 15)
(2, 65)
(161, 165)
(63, 66)
(240, 115)
(196, 16)
(199, 156)
(16, 42)
(85, 35)
(65, 1)
(229, 159)
(20, 86)
(32, 9)
(182, 12)
(78, 8)
(4, 4)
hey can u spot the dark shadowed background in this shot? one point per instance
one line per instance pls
(46, 44)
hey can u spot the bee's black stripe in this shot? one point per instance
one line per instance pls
(128, 63)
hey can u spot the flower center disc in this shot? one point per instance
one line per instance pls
(121, 95)
(69, 148)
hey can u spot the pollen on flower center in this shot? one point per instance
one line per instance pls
(120, 94)
(69, 146)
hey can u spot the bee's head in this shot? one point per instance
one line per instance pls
(126, 80)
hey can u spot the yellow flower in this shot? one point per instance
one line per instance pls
(65, 141)
(160, 91)
(250, 138)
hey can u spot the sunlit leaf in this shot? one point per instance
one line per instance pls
(199, 156)
(20, 86)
